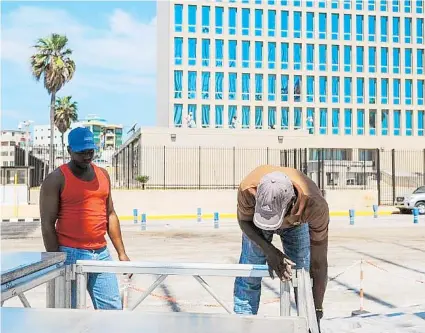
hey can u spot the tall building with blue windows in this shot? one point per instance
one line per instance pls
(331, 67)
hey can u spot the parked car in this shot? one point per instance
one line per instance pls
(417, 199)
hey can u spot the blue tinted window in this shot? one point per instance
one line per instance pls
(420, 54)
(219, 52)
(192, 51)
(258, 22)
(396, 29)
(297, 24)
(245, 21)
(384, 59)
(178, 50)
(396, 91)
(335, 89)
(383, 5)
(384, 122)
(420, 30)
(335, 26)
(271, 84)
(323, 121)
(384, 91)
(246, 78)
(271, 23)
(408, 90)
(384, 29)
(359, 59)
(371, 5)
(409, 122)
(233, 13)
(335, 121)
(322, 57)
(372, 59)
(359, 4)
(323, 89)
(233, 45)
(359, 27)
(408, 6)
(284, 51)
(396, 60)
(421, 123)
(360, 122)
(219, 20)
(408, 61)
(396, 119)
(407, 30)
(246, 46)
(395, 6)
(310, 25)
(258, 54)
(348, 121)
(272, 55)
(347, 89)
(192, 18)
(347, 26)
(347, 58)
(421, 91)
(372, 91)
(178, 18)
(322, 25)
(310, 88)
(360, 90)
(310, 57)
(206, 52)
(372, 28)
(335, 58)
(419, 6)
(205, 19)
(297, 56)
(284, 17)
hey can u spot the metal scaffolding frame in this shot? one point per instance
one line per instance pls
(301, 279)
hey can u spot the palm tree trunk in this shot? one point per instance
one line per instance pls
(63, 149)
(52, 132)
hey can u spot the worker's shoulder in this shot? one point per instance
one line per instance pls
(53, 179)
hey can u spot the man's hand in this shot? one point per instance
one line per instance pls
(280, 264)
(124, 257)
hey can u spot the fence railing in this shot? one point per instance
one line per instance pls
(391, 173)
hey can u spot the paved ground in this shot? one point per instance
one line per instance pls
(393, 244)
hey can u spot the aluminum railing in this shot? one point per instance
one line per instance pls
(196, 270)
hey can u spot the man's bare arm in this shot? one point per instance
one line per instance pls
(49, 208)
(114, 229)
(256, 236)
(319, 270)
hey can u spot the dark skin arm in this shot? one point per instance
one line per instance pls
(49, 208)
(276, 260)
(319, 270)
(114, 229)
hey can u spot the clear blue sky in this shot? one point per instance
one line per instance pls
(114, 46)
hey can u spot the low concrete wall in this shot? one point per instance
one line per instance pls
(178, 202)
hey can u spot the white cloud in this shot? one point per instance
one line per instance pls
(125, 51)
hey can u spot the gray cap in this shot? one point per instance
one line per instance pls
(274, 192)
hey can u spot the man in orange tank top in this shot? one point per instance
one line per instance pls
(77, 211)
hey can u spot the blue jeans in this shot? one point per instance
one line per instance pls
(102, 287)
(247, 290)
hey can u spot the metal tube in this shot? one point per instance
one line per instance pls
(157, 282)
(81, 281)
(60, 291)
(205, 285)
(24, 300)
(50, 294)
(68, 280)
(285, 299)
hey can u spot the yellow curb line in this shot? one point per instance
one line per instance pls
(233, 216)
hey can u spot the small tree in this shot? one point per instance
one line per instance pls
(66, 112)
(143, 180)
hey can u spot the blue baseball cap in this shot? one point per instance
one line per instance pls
(80, 139)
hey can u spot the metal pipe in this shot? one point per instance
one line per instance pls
(205, 285)
(153, 286)
(81, 282)
(285, 299)
(24, 300)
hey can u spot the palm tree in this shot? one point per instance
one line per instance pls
(66, 112)
(52, 62)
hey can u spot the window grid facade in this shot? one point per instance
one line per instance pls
(342, 68)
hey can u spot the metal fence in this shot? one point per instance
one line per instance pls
(391, 173)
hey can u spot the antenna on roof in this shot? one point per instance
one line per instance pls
(132, 129)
